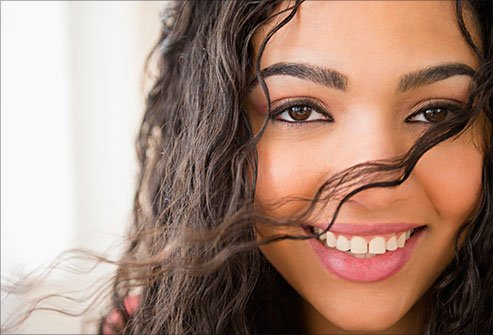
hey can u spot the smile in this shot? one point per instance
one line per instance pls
(365, 246)
(366, 257)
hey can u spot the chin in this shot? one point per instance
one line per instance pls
(368, 319)
(361, 325)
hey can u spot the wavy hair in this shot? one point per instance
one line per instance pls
(191, 251)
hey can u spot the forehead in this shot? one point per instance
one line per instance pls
(364, 38)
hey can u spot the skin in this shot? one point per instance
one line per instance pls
(370, 121)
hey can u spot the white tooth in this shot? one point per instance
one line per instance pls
(392, 243)
(401, 241)
(359, 245)
(323, 236)
(359, 255)
(331, 240)
(377, 245)
(408, 234)
(343, 243)
(369, 255)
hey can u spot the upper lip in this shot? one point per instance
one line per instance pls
(369, 228)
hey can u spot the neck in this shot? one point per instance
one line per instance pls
(411, 323)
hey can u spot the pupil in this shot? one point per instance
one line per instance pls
(300, 113)
(435, 114)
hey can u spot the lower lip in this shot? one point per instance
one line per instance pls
(372, 269)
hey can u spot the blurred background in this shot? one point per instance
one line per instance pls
(72, 97)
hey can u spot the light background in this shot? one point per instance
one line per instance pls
(72, 97)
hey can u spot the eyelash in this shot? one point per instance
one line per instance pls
(445, 105)
(317, 108)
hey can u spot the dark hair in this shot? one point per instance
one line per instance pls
(192, 254)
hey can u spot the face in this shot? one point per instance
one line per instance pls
(352, 82)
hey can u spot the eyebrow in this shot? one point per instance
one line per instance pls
(334, 79)
(433, 74)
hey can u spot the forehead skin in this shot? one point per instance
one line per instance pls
(352, 48)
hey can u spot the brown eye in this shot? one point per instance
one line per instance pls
(435, 114)
(300, 113)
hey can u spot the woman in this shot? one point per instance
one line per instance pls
(266, 119)
(257, 131)
(315, 167)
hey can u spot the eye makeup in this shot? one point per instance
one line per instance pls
(301, 111)
(442, 109)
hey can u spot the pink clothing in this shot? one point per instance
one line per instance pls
(114, 322)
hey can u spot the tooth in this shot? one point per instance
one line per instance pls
(317, 230)
(392, 243)
(377, 245)
(359, 255)
(359, 245)
(324, 235)
(408, 234)
(331, 240)
(343, 243)
(369, 255)
(401, 241)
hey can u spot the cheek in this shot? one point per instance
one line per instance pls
(451, 173)
(286, 170)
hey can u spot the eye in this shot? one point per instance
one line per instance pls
(300, 112)
(434, 114)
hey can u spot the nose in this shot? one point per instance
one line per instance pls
(370, 138)
(381, 198)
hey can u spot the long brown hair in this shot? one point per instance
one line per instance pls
(191, 251)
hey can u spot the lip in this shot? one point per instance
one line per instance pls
(374, 228)
(366, 270)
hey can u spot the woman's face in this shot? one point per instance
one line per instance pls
(352, 82)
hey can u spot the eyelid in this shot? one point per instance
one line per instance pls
(278, 108)
(438, 101)
(452, 105)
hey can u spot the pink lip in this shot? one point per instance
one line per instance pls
(372, 269)
(360, 229)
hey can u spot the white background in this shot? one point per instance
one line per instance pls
(72, 94)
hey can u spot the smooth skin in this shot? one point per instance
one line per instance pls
(373, 44)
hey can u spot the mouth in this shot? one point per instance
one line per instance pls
(364, 244)
(365, 257)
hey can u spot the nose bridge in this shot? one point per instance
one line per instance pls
(374, 137)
